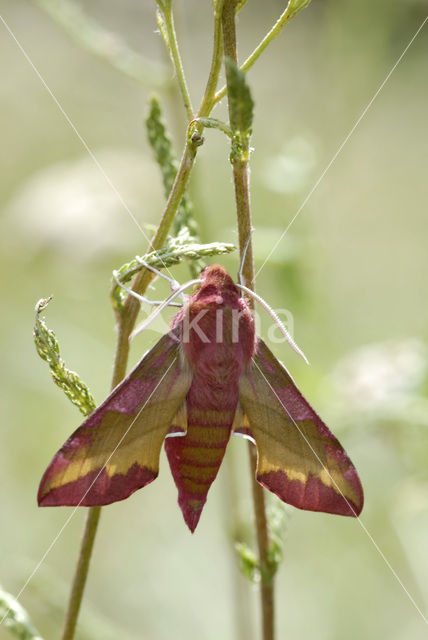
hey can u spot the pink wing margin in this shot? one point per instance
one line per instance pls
(299, 459)
(116, 450)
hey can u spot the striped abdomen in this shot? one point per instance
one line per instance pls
(217, 345)
(196, 457)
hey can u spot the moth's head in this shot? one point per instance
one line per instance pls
(216, 282)
(216, 275)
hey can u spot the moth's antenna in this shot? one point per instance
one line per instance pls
(244, 255)
(138, 296)
(173, 283)
(164, 304)
(277, 321)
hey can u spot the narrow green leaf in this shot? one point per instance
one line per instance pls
(160, 141)
(15, 618)
(161, 144)
(277, 516)
(213, 123)
(248, 562)
(176, 250)
(106, 45)
(240, 101)
(48, 349)
(277, 523)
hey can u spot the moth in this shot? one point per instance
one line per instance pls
(209, 377)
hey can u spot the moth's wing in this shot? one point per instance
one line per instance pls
(116, 450)
(298, 459)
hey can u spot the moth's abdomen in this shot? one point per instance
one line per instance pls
(196, 458)
(218, 342)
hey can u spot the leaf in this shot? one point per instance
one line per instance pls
(160, 141)
(248, 561)
(176, 250)
(241, 104)
(16, 619)
(106, 45)
(277, 524)
(48, 349)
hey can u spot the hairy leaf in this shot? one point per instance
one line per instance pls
(48, 349)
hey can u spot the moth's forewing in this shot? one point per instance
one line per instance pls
(116, 450)
(299, 459)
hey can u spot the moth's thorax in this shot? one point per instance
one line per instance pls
(217, 329)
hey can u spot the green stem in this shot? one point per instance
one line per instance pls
(170, 37)
(180, 184)
(208, 100)
(284, 18)
(243, 209)
(92, 519)
(127, 318)
(131, 308)
(214, 123)
(240, 5)
(81, 572)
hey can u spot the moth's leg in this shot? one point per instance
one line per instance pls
(164, 304)
(140, 297)
(174, 285)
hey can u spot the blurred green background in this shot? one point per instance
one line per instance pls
(352, 269)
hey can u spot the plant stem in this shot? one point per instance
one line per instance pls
(81, 572)
(208, 100)
(92, 518)
(285, 17)
(170, 37)
(242, 198)
(126, 322)
(126, 319)
(180, 184)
